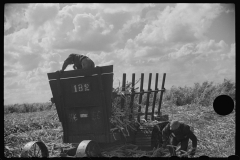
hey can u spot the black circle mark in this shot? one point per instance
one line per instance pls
(223, 105)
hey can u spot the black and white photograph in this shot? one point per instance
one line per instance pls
(119, 80)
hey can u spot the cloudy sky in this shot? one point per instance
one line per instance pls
(189, 42)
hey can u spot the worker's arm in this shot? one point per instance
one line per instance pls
(194, 141)
(166, 133)
(66, 63)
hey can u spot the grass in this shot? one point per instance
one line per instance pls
(216, 134)
(26, 107)
(20, 128)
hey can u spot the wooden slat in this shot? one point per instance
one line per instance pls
(140, 96)
(123, 89)
(161, 95)
(144, 114)
(142, 92)
(132, 95)
(80, 72)
(154, 97)
(148, 95)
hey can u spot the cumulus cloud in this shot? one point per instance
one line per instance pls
(14, 19)
(10, 58)
(10, 74)
(136, 8)
(30, 62)
(84, 32)
(87, 24)
(232, 52)
(135, 38)
(15, 85)
(129, 31)
(54, 66)
(204, 47)
(17, 38)
(38, 14)
(183, 23)
(111, 62)
(117, 19)
(211, 46)
(186, 49)
(98, 57)
(92, 27)
(8, 67)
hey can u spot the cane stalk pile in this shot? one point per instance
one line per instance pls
(130, 150)
(120, 113)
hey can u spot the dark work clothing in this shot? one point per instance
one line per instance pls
(180, 135)
(174, 142)
(156, 137)
(75, 59)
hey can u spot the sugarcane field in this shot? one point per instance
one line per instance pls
(36, 124)
(120, 80)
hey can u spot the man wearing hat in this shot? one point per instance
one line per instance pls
(179, 133)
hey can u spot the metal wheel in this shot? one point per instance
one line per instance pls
(88, 148)
(35, 149)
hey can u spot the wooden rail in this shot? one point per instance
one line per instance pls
(142, 92)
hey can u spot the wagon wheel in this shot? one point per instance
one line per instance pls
(88, 148)
(35, 149)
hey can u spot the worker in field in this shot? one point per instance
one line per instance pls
(173, 133)
(79, 62)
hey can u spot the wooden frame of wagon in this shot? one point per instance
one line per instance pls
(89, 147)
(142, 91)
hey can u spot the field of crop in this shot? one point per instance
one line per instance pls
(20, 128)
(216, 134)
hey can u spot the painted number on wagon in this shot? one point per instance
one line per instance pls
(82, 87)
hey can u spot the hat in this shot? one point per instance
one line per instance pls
(174, 125)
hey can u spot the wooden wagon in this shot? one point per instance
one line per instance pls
(83, 100)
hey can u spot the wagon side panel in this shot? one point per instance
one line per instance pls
(56, 97)
(85, 103)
